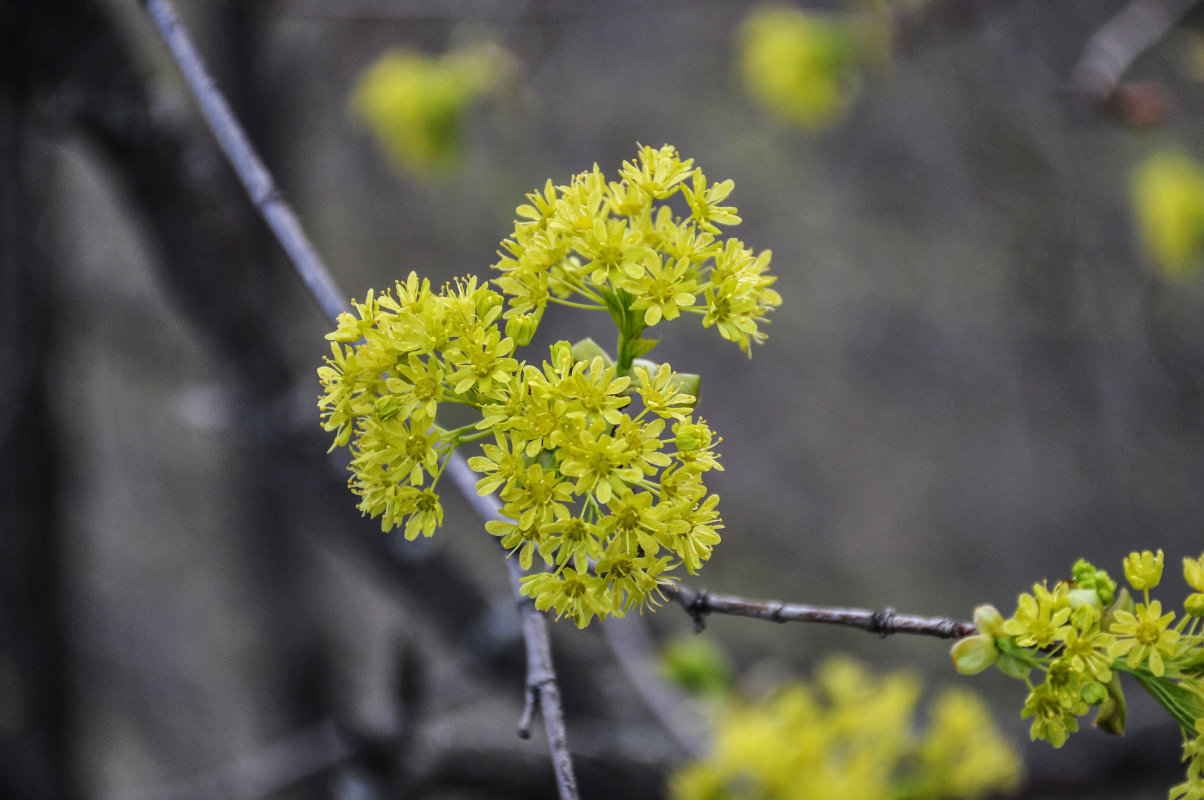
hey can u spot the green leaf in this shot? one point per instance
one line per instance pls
(587, 350)
(1184, 704)
(640, 346)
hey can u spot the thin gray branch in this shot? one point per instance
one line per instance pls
(698, 603)
(246, 162)
(541, 687)
(1121, 40)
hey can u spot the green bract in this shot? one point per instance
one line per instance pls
(598, 462)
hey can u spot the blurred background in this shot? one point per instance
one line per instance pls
(981, 371)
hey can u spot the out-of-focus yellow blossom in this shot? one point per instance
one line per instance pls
(1168, 199)
(848, 734)
(803, 67)
(416, 104)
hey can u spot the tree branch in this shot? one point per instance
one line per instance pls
(1114, 47)
(542, 687)
(246, 162)
(698, 603)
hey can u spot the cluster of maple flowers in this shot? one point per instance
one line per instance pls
(598, 462)
(1081, 634)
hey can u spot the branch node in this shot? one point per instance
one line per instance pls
(883, 622)
(698, 607)
(524, 722)
(948, 628)
(531, 698)
(775, 612)
(268, 197)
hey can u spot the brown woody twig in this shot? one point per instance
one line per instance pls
(699, 602)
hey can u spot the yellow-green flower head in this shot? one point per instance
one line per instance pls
(1143, 570)
(1086, 576)
(587, 485)
(622, 247)
(393, 360)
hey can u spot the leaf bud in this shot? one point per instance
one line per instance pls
(973, 654)
(988, 620)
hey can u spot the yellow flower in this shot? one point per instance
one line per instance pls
(965, 751)
(1053, 719)
(1144, 636)
(661, 392)
(1038, 617)
(662, 291)
(704, 203)
(1087, 651)
(578, 595)
(1143, 570)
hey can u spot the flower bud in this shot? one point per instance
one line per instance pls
(1194, 605)
(1193, 572)
(1143, 570)
(690, 437)
(989, 621)
(521, 328)
(973, 654)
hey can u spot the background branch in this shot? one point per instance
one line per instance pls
(1114, 47)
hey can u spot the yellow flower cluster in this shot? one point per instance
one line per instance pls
(1081, 633)
(598, 463)
(415, 104)
(851, 734)
(618, 246)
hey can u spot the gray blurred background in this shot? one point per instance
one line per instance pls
(974, 379)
